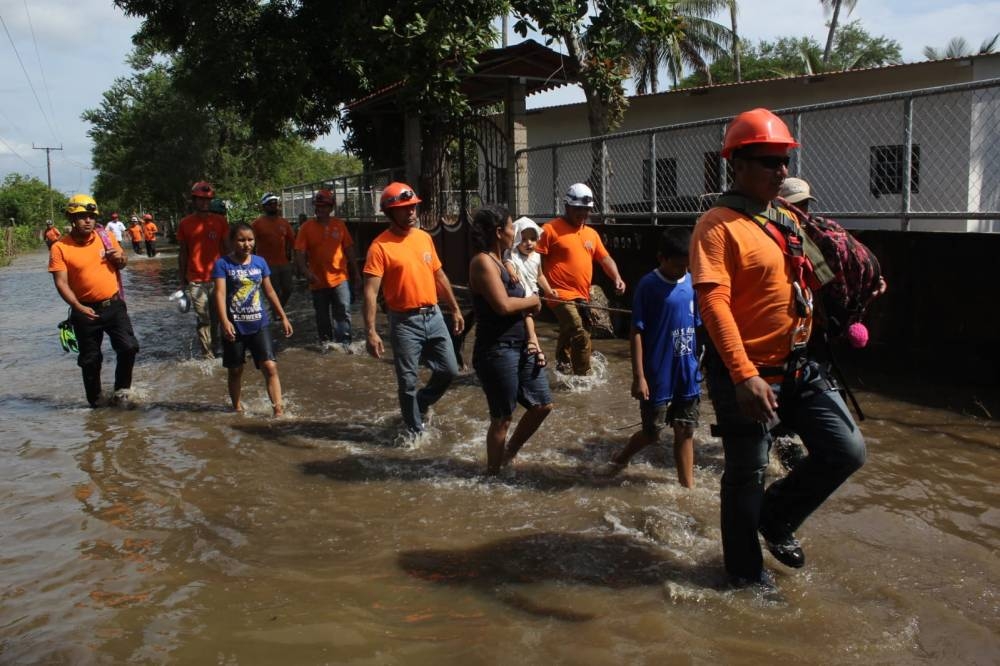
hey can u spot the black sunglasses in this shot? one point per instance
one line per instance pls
(585, 200)
(770, 161)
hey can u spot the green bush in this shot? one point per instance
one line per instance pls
(19, 238)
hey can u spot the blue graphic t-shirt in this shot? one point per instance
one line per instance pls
(244, 296)
(666, 314)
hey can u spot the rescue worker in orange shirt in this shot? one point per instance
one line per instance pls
(568, 248)
(325, 254)
(135, 233)
(52, 234)
(85, 268)
(201, 237)
(275, 242)
(404, 264)
(757, 308)
(149, 234)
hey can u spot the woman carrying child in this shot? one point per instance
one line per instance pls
(508, 361)
(240, 277)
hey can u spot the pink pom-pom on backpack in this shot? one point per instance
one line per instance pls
(857, 335)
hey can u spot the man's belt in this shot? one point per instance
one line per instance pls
(100, 305)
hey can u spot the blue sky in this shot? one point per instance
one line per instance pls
(72, 50)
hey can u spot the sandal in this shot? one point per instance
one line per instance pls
(534, 350)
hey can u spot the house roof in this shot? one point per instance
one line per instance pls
(537, 66)
(698, 90)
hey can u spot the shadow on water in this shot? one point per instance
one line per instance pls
(614, 561)
(285, 433)
(597, 450)
(355, 469)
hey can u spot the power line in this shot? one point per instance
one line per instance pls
(17, 154)
(28, 78)
(38, 56)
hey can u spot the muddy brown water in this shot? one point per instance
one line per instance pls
(177, 532)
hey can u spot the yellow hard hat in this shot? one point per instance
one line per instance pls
(82, 203)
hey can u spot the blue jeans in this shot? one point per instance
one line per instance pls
(836, 449)
(509, 375)
(421, 336)
(335, 302)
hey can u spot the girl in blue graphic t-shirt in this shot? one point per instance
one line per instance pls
(240, 277)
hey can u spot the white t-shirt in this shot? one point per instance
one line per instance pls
(117, 228)
(528, 269)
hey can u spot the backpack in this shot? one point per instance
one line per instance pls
(841, 270)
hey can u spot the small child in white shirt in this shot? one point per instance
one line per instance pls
(528, 262)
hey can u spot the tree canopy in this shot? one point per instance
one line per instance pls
(854, 48)
(152, 139)
(25, 199)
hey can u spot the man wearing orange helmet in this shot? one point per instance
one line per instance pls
(149, 234)
(751, 280)
(324, 252)
(403, 262)
(201, 238)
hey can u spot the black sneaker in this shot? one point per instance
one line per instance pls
(788, 551)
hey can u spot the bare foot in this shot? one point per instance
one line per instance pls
(279, 410)
(238, 408)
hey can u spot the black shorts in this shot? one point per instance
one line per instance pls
(258, 344)
(685, 411)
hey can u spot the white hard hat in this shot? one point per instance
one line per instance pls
(579, 195)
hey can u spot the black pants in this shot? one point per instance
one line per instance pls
(111, 319)
(151, 248)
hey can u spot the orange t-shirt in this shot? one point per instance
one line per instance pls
(325, 246)
(568, 255)
(274, 237)
(52, 235)
(149, 231)
(90, 275)
(407, 265)
(731, 250)
(205, 238)
(135, 231)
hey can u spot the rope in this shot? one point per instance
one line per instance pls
(563, 300)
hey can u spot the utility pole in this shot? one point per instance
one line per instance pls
(48, 166)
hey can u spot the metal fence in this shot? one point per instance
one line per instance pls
(357, 195)
(930, 154)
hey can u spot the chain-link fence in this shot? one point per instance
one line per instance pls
(927, 154)
(357, 195)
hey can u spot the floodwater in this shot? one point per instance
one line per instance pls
(178, 532)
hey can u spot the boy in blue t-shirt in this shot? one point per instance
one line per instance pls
(664, 355)
(241, 278)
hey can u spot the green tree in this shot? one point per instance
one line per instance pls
(795, 56)
(698, 40)
(957, 47)
(597, 45)
(833, 7)
(25, 200)
(152, 140)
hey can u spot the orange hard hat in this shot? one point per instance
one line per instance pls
(323, 197)
(756, 126)
(202, 190)
(147, 216)
(396, 195)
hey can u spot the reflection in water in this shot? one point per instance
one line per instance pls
(179, 532)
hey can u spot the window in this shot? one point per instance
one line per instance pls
(713, 180)
(666, 178)
(886, 170)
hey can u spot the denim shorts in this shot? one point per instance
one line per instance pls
(258, 344)
(685, 411)
(510, 375)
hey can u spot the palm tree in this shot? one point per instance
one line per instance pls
(834, 7)
(959, 48)
(737, 68)
(700, 38)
